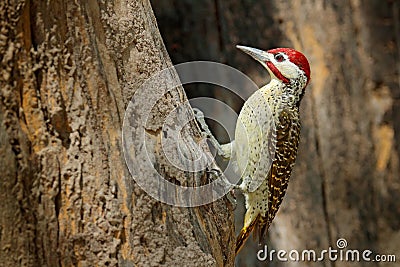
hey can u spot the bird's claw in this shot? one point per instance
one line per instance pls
(232, 199)
(207, 134)
(199, 116)
(215, 173)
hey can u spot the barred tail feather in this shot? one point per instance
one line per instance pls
(244, 234)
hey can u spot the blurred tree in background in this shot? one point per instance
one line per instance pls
(347, 177)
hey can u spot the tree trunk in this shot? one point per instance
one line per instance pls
(68, 72)
(346, 178)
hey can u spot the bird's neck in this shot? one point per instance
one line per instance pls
(286, 96)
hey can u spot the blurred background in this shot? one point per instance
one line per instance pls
(346, 180)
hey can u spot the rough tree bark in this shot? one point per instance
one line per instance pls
(346, 179)
(68, 71)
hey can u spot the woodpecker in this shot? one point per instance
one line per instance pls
(267, 137)
(290, 75)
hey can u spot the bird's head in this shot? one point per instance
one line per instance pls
(284, 64)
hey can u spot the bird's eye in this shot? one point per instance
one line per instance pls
(279, 57)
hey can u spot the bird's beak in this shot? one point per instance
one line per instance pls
(257, 54)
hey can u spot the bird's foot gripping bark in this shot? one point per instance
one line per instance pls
(222, 150)
(232, 199)
(215, 174)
